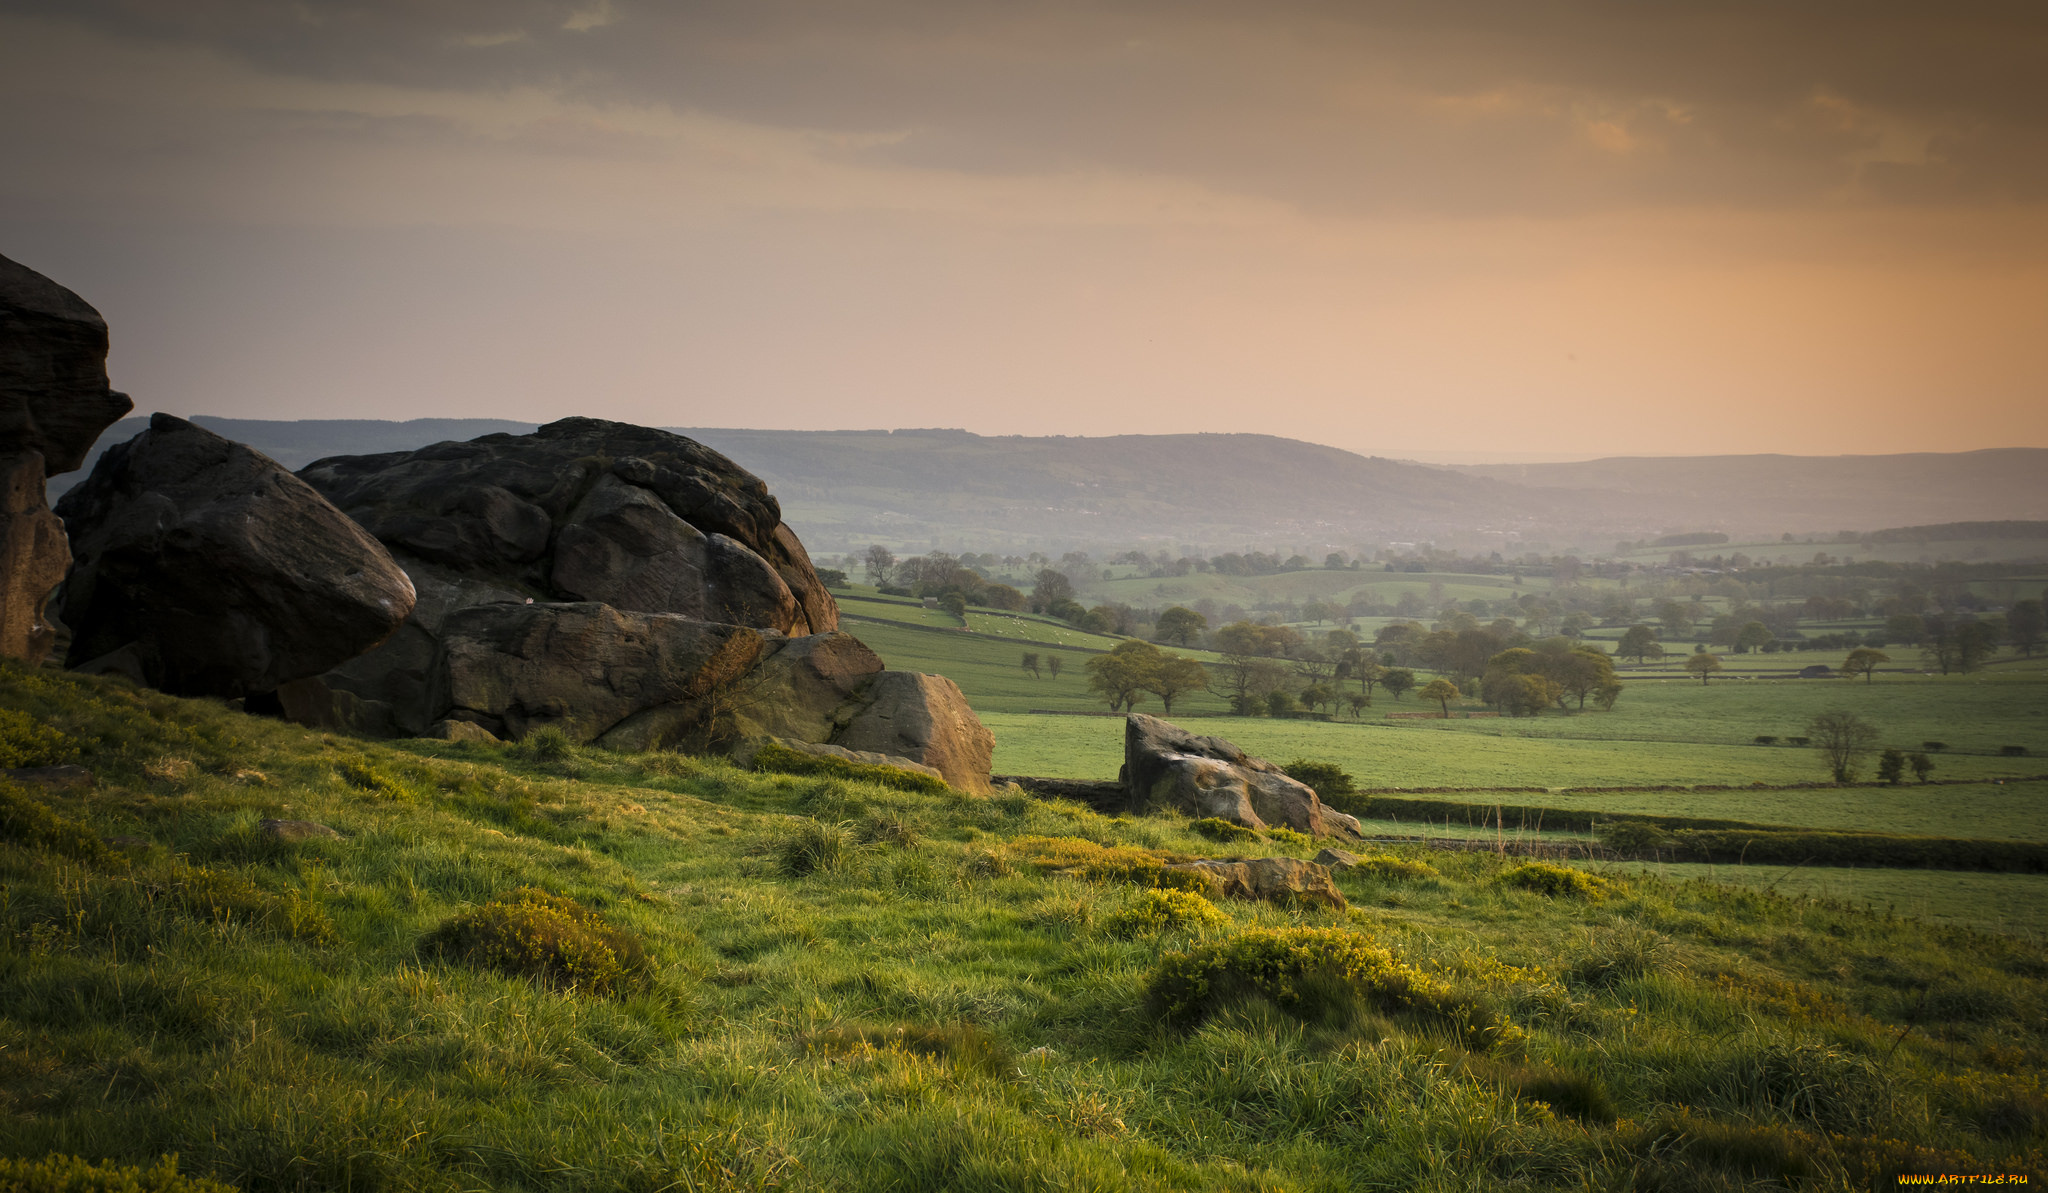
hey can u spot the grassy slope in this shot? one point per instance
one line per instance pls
(294, 1036)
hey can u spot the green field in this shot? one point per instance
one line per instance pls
(2010, 903)
(1665, 731)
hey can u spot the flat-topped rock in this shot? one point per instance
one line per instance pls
(589, 510)
(1168, 767)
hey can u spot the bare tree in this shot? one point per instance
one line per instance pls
(1843, 738)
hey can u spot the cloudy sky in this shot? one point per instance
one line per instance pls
(1486, 230)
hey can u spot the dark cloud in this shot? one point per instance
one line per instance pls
(1497, 105)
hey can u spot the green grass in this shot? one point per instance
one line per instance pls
(928, 1010)
(1418, 754)
(2011, 903)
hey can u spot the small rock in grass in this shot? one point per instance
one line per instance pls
(462, 731)
(1336, 859)
(1283, 880)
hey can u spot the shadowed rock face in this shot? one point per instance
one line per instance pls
(589, 510)
(54, 402)
(209, 570)
(54, 396)
(1165, 766)
(33, 558)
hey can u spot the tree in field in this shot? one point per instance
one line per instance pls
(1358, 702)
(1054, 664)
(1031, 663)
(1703, 664)
(1922, 765)
(1638, 642)
(1579, 673)
(1180, 625)
(1675, 619)
(2025, 623)
(1443, 691)
(1051, 586)
(1176, 676)
(1862, 661)
(1962, 646)
(1251, 671)
(1365, 667)
(1843, 738)
(1398, 680)
(1606, 694)
(1753, 636)
(1891, 767)
(1125, 674)
(1316, 695)
(955, 604)
(878, 561)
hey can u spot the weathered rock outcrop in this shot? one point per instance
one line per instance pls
(1165, 766)
(629, 586)
(1284, 880)
(589, 510)
(54, 402)
(210, 570)
(54, 396)
(33, 559)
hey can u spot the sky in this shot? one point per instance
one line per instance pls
(1504, 230)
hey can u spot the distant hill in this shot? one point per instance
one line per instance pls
(919, 489)
(1769, 493)
(1956, 531)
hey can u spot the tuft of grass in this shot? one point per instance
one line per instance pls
(71, 1174)
(549, 743)
(816, 848)
(1083, 858)
(24, 741)
(779, 759)
(886, 827)
(549, 938)
(1620, 954)
(361, 774)
(1560, 882)
(1156, 911)
(1218, 829)
(967, 1046)
(1394, 869)
(28, 821)
(1314, 974)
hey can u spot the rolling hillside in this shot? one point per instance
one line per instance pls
(918, 489)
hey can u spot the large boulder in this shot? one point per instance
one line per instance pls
(54, 396)
(33, 559)
(588, 510)
(1168, 767)
(629, 586)
(212, 571)
(926, 719)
